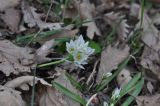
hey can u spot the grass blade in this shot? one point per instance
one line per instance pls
(131, 83)
(109, 79)
(69, 93)
(130, 86)
(26, 38)
(73, 81)
(137, 90)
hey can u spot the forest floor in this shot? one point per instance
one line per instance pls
(80, 52)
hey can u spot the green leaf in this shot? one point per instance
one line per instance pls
(73, 81)
(131, 83)
(95, 46)
(129, 87)
(104, 82)
(137, 90)
(41, 36)
(68, 93)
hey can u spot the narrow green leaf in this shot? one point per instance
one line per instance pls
(137, 90)
(73, 81)
(68, 93)
(42, 35)
(95, 46)
(103, 84)
(129, 87)
(131, 83)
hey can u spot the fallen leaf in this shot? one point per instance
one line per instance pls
(10, 97)
(22, 82)
(4, 4)
(118, 22)
(150, 87)
(11, 17)
(92, 29)
(32, 18)
(87, 11)
(134, 8)
(44, 50)
(65, 33)
(153, 100)
(150, 59)
(150, 36)
(105, 4)
(124, 77)
(52, 97)
(14, 59)
(156, 18)
(111, 57)
(66, 83)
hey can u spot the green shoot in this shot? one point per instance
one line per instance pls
(104, 82)
(69, 93)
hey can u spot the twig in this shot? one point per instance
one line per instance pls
(40, 30)
(93, 72)
(33, 88)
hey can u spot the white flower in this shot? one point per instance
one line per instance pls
(105, 104)
(79, 50)
(70, 47)
(108, 74)
(112, 104)
(116, 93)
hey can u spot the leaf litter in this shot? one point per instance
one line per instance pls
(17, 62)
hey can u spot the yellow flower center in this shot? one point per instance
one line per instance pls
(71, 49)
(79, 57)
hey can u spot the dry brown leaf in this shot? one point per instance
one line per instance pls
(148, 100)
(4, 4)
(111, 57)
(52, 97)
(151, 36)
(150, 87)
(32, 18)
(105, 4)
(156, 18)
(109, 4)
(116, 21)
(92, 29)
(124, 77)
(87, 11)
(134, 9)
(22, 82)
(64, 33)
(10, 97)
(14, 59)
(66, 83)
(150, 59)
(44, 50)
(12, 18)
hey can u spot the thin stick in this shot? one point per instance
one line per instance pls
(40, 30)
(33, 88)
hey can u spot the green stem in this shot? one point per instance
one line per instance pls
(33, 89)
(51, 63)
(142, 12)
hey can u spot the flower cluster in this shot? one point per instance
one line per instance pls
(79, 50)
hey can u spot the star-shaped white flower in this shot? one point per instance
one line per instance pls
(116, 93)
(79, 50)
